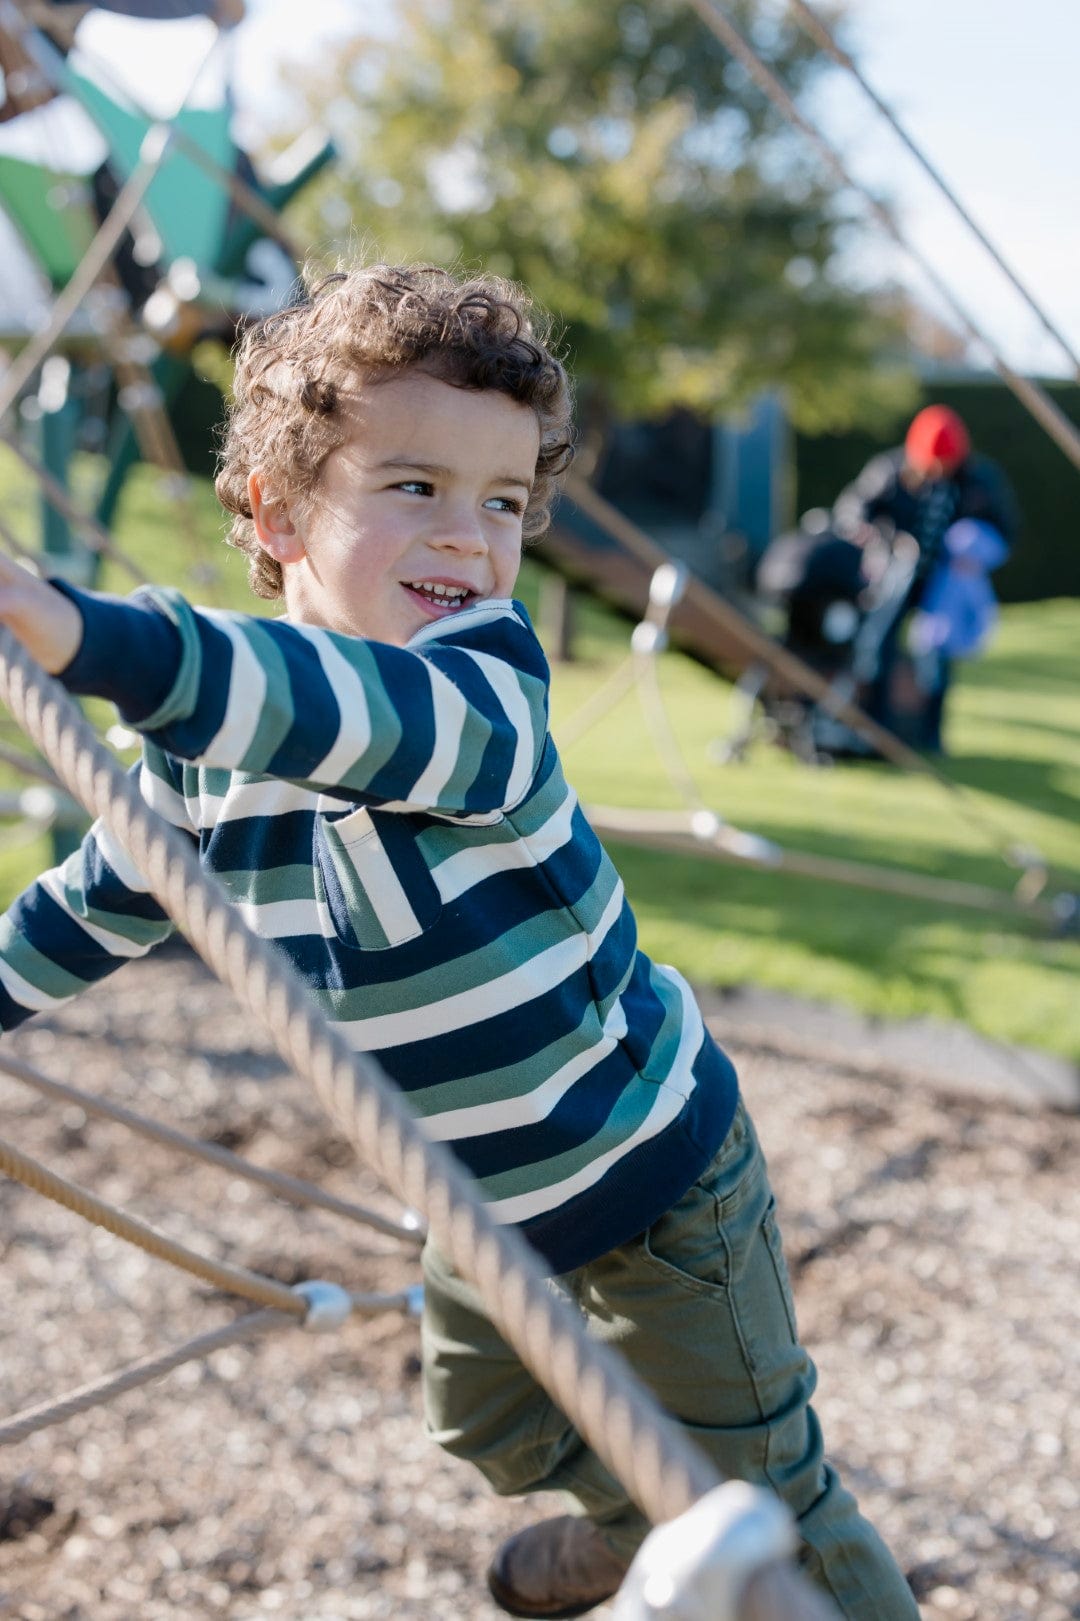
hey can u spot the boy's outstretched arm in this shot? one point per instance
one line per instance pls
(455, 723)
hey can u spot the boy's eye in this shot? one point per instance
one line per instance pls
(506, 503)
(416, 486)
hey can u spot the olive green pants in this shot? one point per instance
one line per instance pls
(700, 1305)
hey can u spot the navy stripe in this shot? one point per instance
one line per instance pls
(54, 932)
(508, 1038)
(261, 843)
(109, 893)
(410, 684)
(316, 712)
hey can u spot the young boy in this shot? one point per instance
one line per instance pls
(372, 779)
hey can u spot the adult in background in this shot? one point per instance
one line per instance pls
(923, 488)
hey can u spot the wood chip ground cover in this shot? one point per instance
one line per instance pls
(933, 1243)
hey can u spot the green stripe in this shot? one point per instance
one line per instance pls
(386, 723)
(181, 700)
(439, 842)
(141, 931)
(657, 1066)
(510, 1081)
(511, 950)
(475, 735)
(39, 971)
(277, 717)
(292, 882)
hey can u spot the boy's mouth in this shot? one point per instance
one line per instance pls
(439, 596)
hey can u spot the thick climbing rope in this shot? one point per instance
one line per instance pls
(822, 35)
(236, 1280)
(292, 1188)
(1062, 431)
(616, 1415)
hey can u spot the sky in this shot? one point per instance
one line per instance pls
(987, 88)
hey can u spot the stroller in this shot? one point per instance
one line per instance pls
(833, 604)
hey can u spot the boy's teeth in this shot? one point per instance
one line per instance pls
(435, 590)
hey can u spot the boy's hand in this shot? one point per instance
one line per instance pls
(46, 622)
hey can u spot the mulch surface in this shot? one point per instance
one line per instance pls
(933, 1241)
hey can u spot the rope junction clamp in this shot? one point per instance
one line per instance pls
(329, 1305)
(697, 1567)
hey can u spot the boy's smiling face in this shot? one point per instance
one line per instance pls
(416, 515)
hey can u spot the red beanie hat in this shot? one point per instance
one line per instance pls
(936, 435)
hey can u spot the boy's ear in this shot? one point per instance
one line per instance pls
(274, 529)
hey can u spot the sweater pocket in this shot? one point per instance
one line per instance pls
(376, 883)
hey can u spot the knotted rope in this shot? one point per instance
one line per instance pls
(236, 1280)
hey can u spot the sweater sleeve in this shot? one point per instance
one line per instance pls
(454, 723)
(75, 925)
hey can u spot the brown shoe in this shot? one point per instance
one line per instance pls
(559, 1568)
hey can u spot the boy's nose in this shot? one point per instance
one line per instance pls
(463, 535)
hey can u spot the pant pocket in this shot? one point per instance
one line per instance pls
(771, 1230)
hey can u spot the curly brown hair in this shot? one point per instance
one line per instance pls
(375, 322)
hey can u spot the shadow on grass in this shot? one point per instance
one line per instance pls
(901, 941)
(1027, 783)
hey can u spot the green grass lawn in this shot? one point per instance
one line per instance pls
(1014, 738)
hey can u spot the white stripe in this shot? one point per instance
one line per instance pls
(278, 920)
(354, 723)
(483, 1118)
(504, 683)
(451, 712)
(117, 945)
(266, 797)
(671, 1095)
(162, 797)
(246, 701)
(499, 995)
(459, 872)
(119, 860)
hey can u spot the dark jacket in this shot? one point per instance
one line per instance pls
(883, 495)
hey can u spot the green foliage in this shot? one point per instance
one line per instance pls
(613, 159)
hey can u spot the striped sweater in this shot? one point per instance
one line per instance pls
(396, 820)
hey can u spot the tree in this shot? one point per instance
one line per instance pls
(613, 158)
